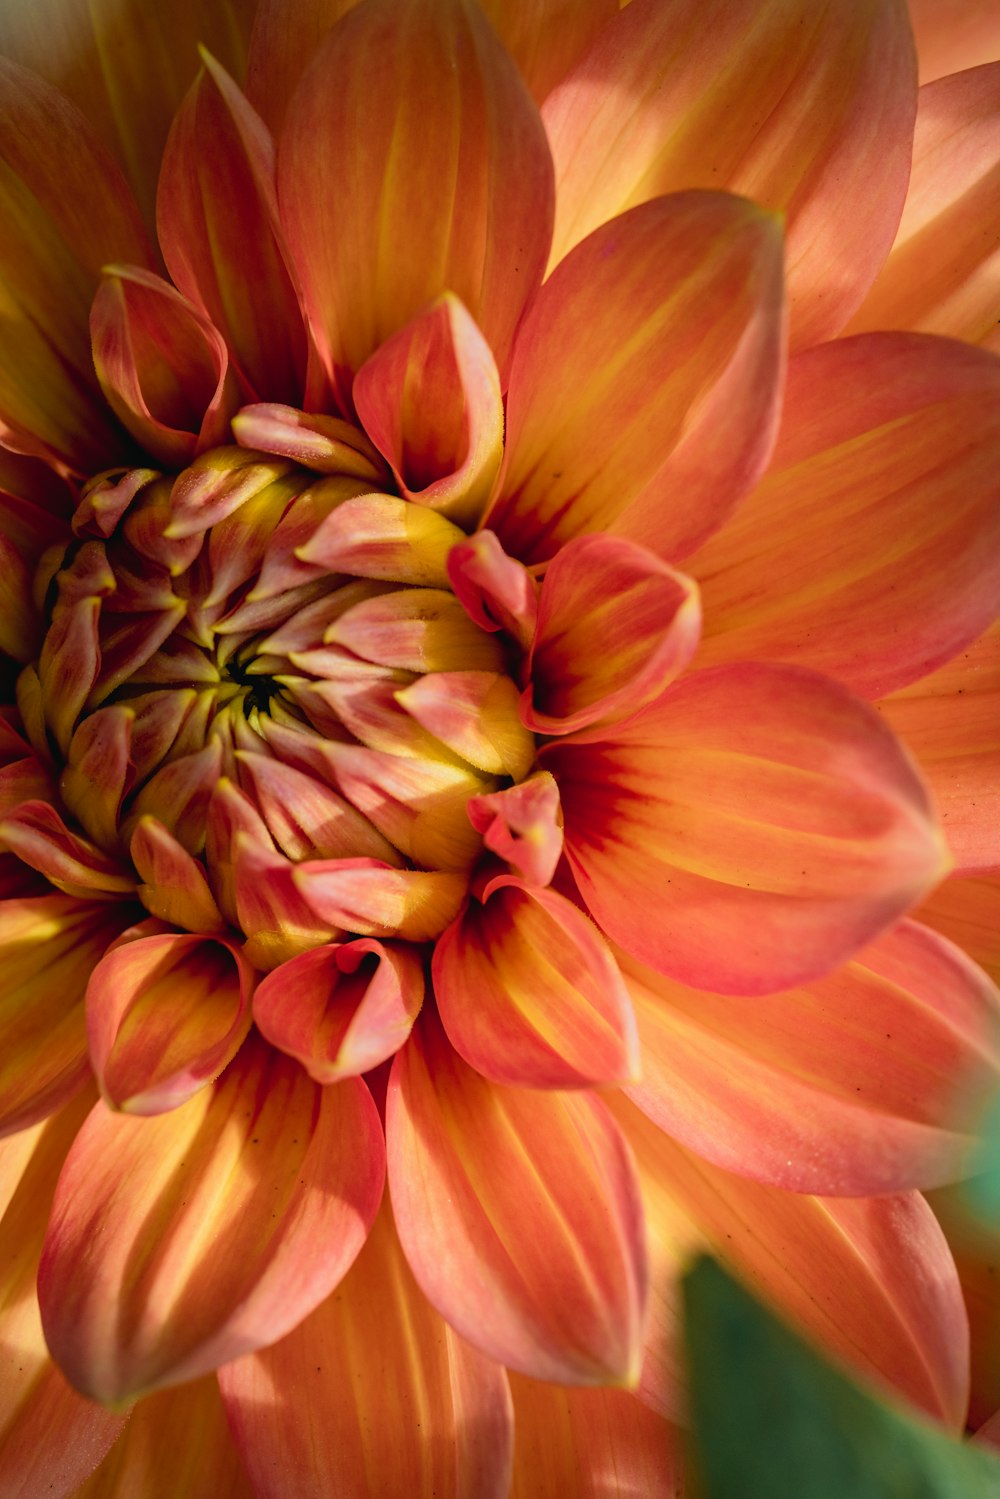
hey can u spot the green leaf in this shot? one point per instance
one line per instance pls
(773, 1420)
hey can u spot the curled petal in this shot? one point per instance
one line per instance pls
(496, 591)
(446, 1406)
(530, 994)
(412, 147)
(659, 342)
(173, 886)
(519, 1214)
(217, 219)
(129, 1305)
(429, 399)
(871, 549)
(343, 1008)
(162, 366)
(807, 111)
(523, 826)
(38, 835)
(749, 831)
(474, 713)
(280, 923)
(873, 1079)
(646, 616)
(99, 771)
(383, 536)
(416, 629)
(324, 443)
(69, 665)
(305, 817)
(165, 1015)
(362, 895)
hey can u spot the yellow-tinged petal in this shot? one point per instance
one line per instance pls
(174, 886)
(808, 109)
(130, 1303)
(37, 834)
(475, 713)
(519, 1214)
(944, 270)
(416, 629)
(431, 140)
(645, 380)
(423, 1414)
(361, 895)
(384, 536)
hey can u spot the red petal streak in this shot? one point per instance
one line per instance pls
(342, 1009)
(264, 1187)
(362, 895)
(422, 1410)
(162, 366)
(429, 140)
(217, 218)
(519, 1214)
(475, 713)
(165, 1015)
(646, 616)
(429, 399)
(523, 826)
(38, 835)
(659, 343)
(870, 1080)
(495, 590)
(383, 536)
(871, 550)
(174, 885)
(530, 995)
(806, 109)
(50, 944)
(749, 831)
(324, 443)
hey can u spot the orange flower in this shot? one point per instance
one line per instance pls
(446, 627)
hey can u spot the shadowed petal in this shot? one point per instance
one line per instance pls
(519, 1215)
(953, 35)
(422, 1410)
(174, 885)
(37, 834)
(968, 911)
(749, 831)
(645, 381)
(130, 1302)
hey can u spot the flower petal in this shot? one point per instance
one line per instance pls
(529, 993)
(474, 713)
(942, 274)
(343, 1008)
(429, 399)
(413, 148)
(422, 1410)
(749, 831)
(659, 344)
(870, 1080)
(968, 912)
(165, 1014)
(174, 885)
(284, 40)
(496, 591)
(807, 110)
(128, 1303)
(871, 550)
(546, 37)
(959, 34)
(519, 1215)
(523, 826)
(362, 895)
(646, 616)
(951, 722)
(50, 1438)
(383, 536)
(37, 834)
(217, 216)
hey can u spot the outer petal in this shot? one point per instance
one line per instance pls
(64, 212)
(529, 993)
(646, 616)
(217, 214)
(163, 368)
(870, 1278)
(659, 345)
(343, 1008)
(430, 401)
(976, 1247)
(176, 1442)
(954, 34)
(593, 1444)
(421, 1414)
(38, 835)
(165, 1014)
(872, 548)
(546, 37)
(431, 139)
(870, 1080)
(968, 911)
(284, 41)
(808, 110)
(519, 1215)
(943, 273)
(951, 722)
(749, 831)
(129, 1303)
(50, 1438)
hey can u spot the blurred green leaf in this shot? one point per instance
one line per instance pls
(773, 1420)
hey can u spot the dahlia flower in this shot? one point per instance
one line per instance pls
(498, 647)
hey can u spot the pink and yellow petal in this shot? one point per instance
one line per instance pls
(659, 344)
(519, 1215)
(808, 110)
(131, 1304)
(871, 549)
(749, 831)
(523, 826)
